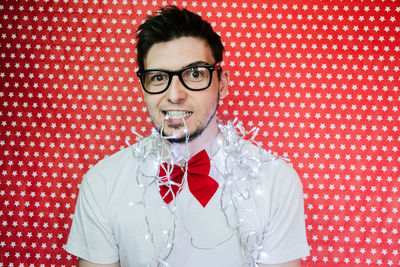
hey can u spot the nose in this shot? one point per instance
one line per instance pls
(176, 92)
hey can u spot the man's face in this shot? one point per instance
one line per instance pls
(197, 107)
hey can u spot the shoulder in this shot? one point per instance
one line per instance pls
(115, 166)
(278, 186)
(274, 169)
(283, 171)
(112, 163)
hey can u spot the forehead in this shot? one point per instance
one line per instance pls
(178, 53)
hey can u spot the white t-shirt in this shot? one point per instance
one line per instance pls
(120, 215)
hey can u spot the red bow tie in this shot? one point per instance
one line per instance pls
(200, 184)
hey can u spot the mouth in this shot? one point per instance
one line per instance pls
(176, 115)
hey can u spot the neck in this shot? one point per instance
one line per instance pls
(203, 141)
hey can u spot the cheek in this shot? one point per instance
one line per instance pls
(151, 102)
(208, 103)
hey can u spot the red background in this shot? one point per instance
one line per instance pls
(320, 79)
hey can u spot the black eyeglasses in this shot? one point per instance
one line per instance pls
(195, 78)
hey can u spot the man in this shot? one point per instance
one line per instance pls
(193, 193)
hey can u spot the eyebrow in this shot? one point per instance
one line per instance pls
(197, 63)
(193, 64)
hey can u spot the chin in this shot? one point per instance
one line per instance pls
(181, 137)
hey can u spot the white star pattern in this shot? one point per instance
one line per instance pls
(320, 80)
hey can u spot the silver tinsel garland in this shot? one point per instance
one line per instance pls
(241, 170)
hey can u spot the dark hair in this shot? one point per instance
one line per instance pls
(171, 23)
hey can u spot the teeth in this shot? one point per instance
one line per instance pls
(174, 114)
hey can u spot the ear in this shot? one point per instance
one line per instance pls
(223, 84)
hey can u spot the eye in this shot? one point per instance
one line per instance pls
(157, 78)
(195, 74)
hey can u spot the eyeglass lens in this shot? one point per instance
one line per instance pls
(195, 78)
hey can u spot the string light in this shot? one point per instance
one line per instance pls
(240, 170)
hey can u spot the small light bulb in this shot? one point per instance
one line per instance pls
(263, 254)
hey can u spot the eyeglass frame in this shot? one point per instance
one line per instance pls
(171, 73)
